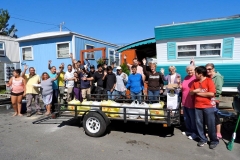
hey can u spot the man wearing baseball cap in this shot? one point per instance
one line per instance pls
(122, 78)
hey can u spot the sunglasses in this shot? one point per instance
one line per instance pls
(209, 69)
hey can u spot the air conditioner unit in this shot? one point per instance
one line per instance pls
(2, 53)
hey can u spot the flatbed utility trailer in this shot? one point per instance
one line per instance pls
(95, 121)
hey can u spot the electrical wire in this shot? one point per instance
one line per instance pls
(67, 28)
(48, 29)
(34, 21)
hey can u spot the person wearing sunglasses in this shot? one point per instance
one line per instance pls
(204, 91)
(218, 81)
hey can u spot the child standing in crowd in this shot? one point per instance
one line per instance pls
(110, 79)
(18, 90)
(77, 87)
(61, 82)
(204, 90)
(135, 83)
(47, 90)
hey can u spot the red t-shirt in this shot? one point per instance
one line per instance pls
(207, 86)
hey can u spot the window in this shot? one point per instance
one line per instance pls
(2, 49)
(62, 50)
(199, 50)
(210, 49)
(27, 53)
(113, 57)
(187, 50)
(89, 55)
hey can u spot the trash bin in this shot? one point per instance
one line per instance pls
(24, 106)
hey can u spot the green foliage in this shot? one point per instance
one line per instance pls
(4, 18)
(100, 61)
(125, 68)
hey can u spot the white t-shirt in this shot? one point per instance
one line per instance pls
(67, 76)
(173, 76)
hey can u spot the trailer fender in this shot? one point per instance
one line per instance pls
(100, 112)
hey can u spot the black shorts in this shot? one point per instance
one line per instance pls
(17, 94)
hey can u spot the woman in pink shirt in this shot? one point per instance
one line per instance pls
(18, 90)
(188, 103)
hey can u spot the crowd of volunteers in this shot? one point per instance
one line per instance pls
(200, 90)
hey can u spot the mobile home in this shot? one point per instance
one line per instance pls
(35, 50)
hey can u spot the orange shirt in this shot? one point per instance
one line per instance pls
(207, 86)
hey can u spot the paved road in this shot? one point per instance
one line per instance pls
(22, 140)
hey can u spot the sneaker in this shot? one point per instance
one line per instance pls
(212, 146)
(39, 113)
(201, 144)
(29, 114)
(190, 137)
(184, 133)
(219, 136)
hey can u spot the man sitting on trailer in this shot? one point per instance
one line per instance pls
(135, 83)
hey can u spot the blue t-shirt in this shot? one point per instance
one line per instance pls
(135, 83)
(55, 83)
(84, 84)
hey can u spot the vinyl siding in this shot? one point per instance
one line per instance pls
(161, 47)
(44, 50)
(198, 29)
(11, 49)
(228, 67)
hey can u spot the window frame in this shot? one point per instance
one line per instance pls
(198, 48)
(89, 52)
(31, 50)
(114, 56)
(4, 49)
(57, 49)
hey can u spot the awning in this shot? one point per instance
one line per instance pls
(138, 43)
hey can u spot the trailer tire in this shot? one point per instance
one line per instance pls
(94, 124)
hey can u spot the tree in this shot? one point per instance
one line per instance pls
(4, 17)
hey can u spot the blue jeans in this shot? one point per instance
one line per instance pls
(54, 99)
(153, 96)
(206, 116)
(118, 94)
(136, 96)
(110, 95)
(189, 119)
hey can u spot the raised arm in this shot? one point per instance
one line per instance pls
(49, 64)
(24, 71)
(125, 61)
(145, 68)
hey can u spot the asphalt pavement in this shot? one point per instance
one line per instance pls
(64, 139)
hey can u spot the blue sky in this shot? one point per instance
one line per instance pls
(115, 21)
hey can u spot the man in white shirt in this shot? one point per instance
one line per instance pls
(122, 78)
(69, 78)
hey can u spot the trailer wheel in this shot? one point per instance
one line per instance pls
(94, 124)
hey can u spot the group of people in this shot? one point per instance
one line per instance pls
(200, 89)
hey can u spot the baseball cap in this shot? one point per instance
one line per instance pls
(92, 66)
(118, 67)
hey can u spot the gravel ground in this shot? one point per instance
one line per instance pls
(64, 139)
